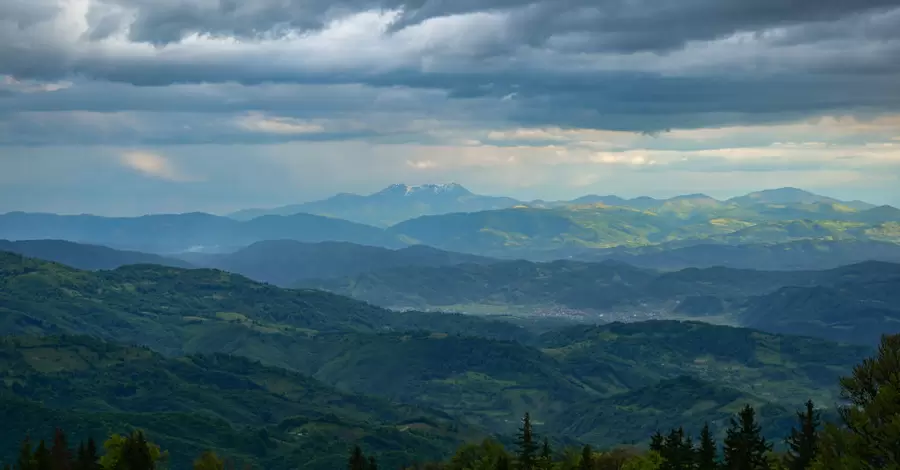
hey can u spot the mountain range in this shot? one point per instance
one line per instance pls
(540, 231)
(391, 205)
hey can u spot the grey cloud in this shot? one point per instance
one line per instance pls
(545, 79)
(614, 25)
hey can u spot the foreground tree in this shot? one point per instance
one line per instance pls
(42, 458)
(60, 453)
(870, 435)
(357, 459)
(803, 443)
(527, 447)
(209, 461)
(587, 458)
(131, 452)
(87, 458)
(26, 458)
(483, 456)
(744, 446)
(545, 460)
(706, 451)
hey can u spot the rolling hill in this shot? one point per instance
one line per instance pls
(268, 416)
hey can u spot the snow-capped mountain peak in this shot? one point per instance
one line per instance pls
(424, 189)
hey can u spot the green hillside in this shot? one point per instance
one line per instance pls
(271, 417)
(465, 367)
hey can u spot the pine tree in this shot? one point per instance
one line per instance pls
(677, 451)
(804, 442)
(357, 459)
(545, 461)
(526, 444)
(87, 458)
(92, 458)
(706, 451)
(42, 458)
(502, 463)
(373, 465)
(744, 446)
(587, 458)
(62, 456)
(656, 442)
(26, 458)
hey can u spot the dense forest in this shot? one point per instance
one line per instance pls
(865, 437)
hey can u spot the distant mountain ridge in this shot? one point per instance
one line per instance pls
(174, 233)
(391, 205)
(401, 202)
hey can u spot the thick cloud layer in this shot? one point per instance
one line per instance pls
(439, 90)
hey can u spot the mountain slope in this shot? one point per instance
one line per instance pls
(169, 309)
(187, 232)
(609, 421)
(391, 205)
(858, 305)
(286, 262)
(82, 256)
(233, 397)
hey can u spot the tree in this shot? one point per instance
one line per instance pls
(209, 461)
(803, 443)
(132, 452)
(870, 432)
(87, 458)
(26, 458)
(502, 463)
(373, 465)
(587, 458)
(357, 459)
(42, 458)
(677, 451)
(526, 444)
(483, 456)
(706, 451)
(545, 461)
(60, 453)
(744, 446)
(656, 441)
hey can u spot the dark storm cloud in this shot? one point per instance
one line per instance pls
(621, 25)
(617, 64)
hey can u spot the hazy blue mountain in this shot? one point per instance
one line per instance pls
(854, 304)
(173, 233)
(793, 196)
(796, 255)
(286, 262)
(391, 205)
(83, 256)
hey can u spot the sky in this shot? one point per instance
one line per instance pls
(126, 107)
